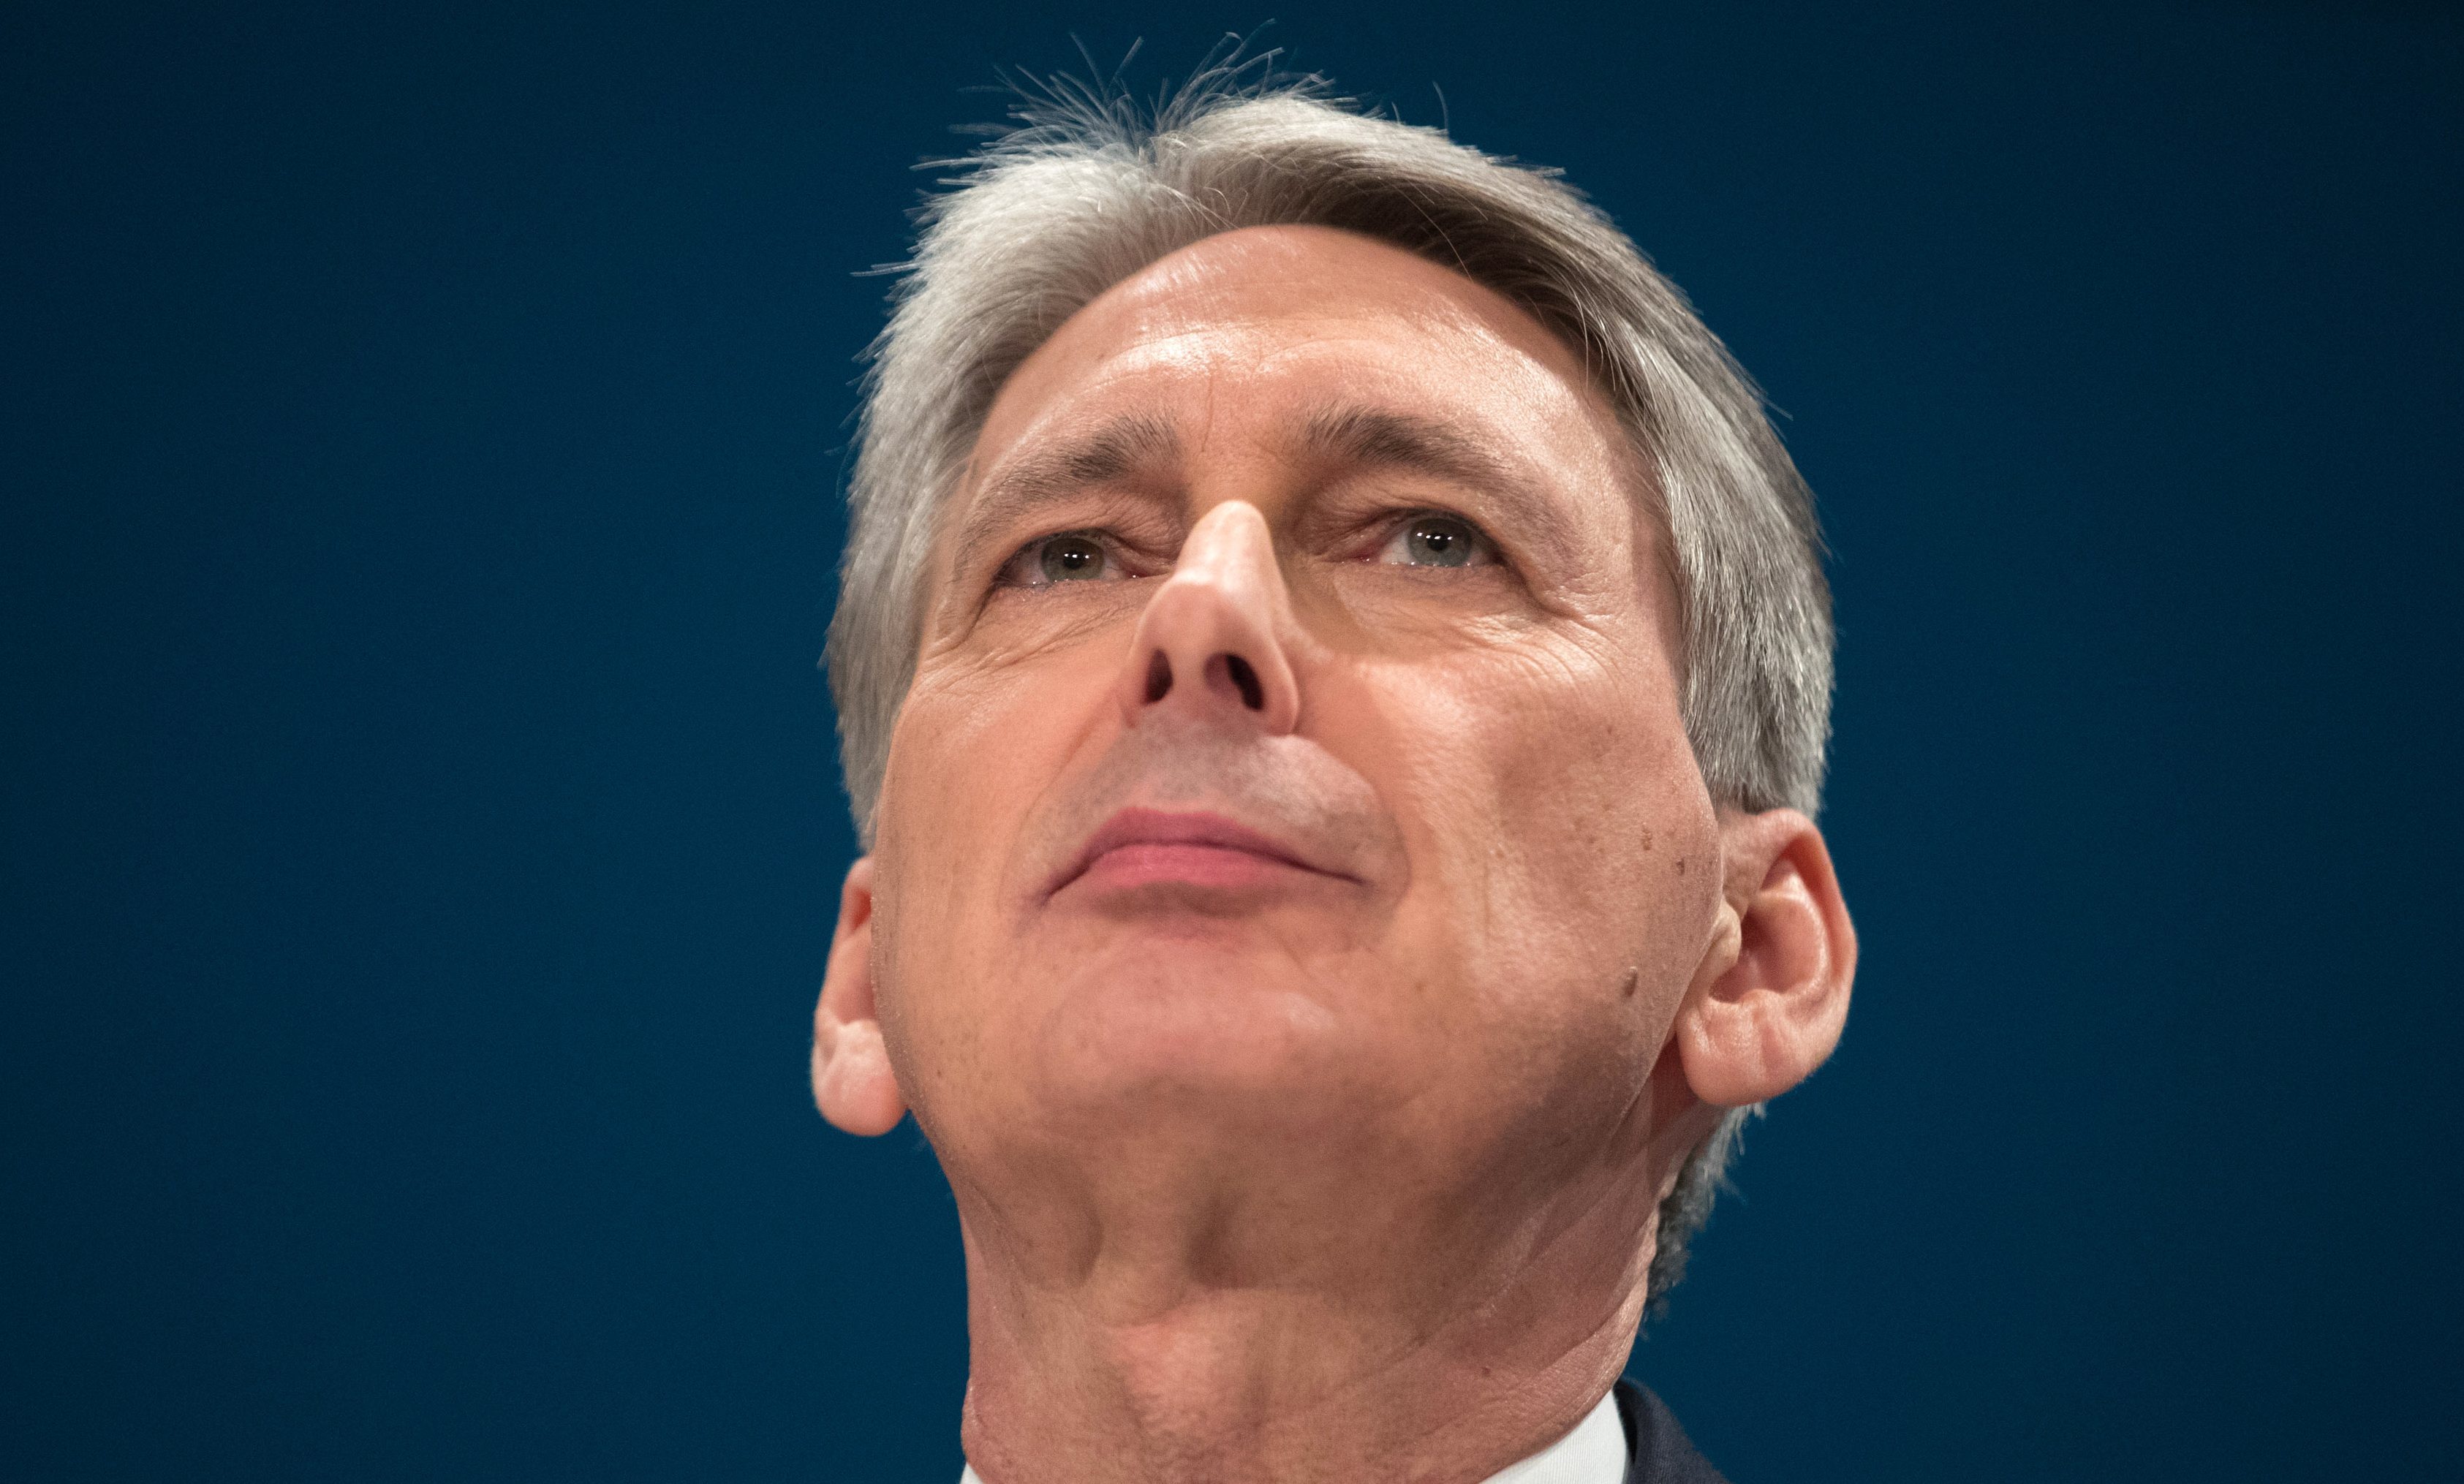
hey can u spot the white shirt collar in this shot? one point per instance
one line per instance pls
(1593, 1453)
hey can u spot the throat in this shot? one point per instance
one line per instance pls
(1300, 1385)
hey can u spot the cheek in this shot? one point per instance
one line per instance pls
(1566, 821)
(974, 751)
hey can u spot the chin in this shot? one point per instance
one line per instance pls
(1225, 1042)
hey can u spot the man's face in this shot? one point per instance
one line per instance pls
(1293, 755)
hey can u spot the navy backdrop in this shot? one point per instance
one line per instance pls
(423, 433)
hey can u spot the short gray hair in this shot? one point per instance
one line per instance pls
(1088, 188)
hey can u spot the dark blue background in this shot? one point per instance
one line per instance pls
(422, 434)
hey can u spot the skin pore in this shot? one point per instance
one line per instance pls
(1296, 917)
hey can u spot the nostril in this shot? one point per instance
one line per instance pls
(1252, 694)
(1159, 677)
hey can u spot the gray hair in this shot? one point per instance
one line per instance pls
(1088, 189)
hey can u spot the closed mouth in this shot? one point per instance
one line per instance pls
(1196, 846)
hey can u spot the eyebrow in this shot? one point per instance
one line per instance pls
(1115, 450)
(1380, 438)
(1375, 437)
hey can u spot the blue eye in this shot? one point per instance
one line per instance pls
(1436, 541)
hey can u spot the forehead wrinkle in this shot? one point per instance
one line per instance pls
(1118, 449)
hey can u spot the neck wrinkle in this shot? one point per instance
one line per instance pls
(1242, 1383)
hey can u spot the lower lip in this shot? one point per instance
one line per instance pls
(1214, 866)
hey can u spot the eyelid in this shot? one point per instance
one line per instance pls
(1128, 516)
(1386, 528)
(1106, 539)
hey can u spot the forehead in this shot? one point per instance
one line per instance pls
(1259, 320)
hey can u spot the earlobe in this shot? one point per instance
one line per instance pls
(852, 1081)
(1771, 998)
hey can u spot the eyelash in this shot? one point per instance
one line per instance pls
(1483, 552)
(1023, 568)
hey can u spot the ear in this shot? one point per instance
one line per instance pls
(1771, 998)
(853, 1083)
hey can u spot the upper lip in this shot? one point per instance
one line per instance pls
(1166, 827)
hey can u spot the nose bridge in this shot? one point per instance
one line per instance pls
(1213, 635)
(1231, 548)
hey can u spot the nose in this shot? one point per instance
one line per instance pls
(1211, 638)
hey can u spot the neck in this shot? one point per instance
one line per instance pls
(1174, 1334)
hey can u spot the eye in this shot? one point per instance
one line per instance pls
(1070, 556)
(1436, 541)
